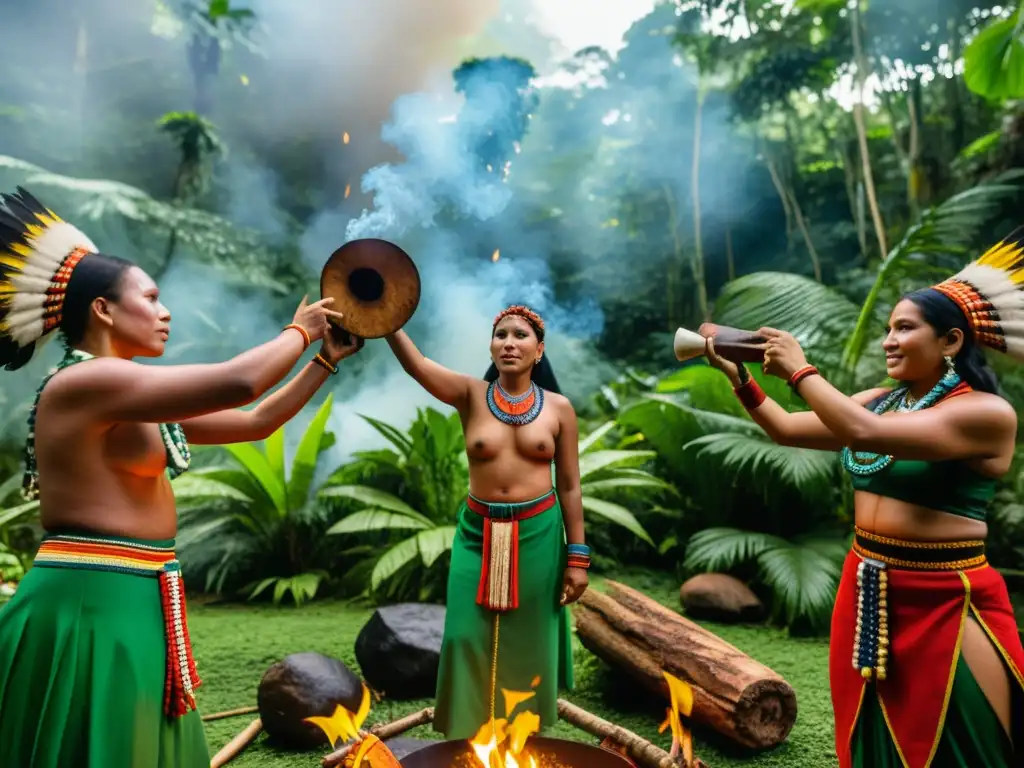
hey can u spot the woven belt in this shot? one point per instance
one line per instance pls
(82, 552)
(919, 555)
(498, 589)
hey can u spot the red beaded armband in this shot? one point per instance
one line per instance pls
(578, 561)
(750, 394)
(800, 375)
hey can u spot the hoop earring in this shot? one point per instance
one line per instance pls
(950, 365)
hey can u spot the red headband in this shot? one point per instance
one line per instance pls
(524, 312)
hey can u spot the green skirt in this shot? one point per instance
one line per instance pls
(972, 736)
(83, 668)
(528, 648)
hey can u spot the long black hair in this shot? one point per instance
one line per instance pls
(96, 276)
(943, 314)
(542, 374)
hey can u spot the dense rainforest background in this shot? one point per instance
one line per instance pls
(797, 164)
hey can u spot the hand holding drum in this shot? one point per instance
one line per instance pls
(732, 344)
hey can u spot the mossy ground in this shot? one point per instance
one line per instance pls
(235, 644)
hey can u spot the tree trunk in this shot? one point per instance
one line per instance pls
(733, 694)
(862, 132)
(698, 254)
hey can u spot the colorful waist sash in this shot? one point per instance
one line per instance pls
(117, 555)
(899, 616)
(499, 573)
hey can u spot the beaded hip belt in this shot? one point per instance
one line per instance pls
(82, 552)
(880, 554)
(499, 573)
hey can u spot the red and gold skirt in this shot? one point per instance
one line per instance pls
(898, 623)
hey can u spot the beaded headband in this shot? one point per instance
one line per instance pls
(38, 254)
(990, 293)
(523, 311)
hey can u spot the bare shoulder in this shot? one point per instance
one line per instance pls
(560, 403)
(984, 409)
(101, 375)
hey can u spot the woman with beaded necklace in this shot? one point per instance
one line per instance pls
(925, 663)
(512, 570)
(96, 666)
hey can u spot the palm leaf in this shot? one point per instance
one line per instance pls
(18, 513)
(596, 461)
(306, 455)
(189, 487)
(392, 561)
(595, 437)
(765, 463)
(395, 436)
(803, 580)
(377, 499)
(256, 464)
(273, 447)
(950, 229)
(618, 514)
(435, 542)
(373, 520)
(623, 483)
(721, 549)
(994, 60)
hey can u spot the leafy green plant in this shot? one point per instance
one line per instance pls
(419, 484)
(18, 531)
(255, 523)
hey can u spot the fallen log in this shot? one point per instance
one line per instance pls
(733, 694)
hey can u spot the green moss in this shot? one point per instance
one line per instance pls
(234, 645)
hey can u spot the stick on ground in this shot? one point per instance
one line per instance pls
(384, 731)
(231, 713)
(639, 749)
(234, 748)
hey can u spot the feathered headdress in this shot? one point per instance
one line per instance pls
(990, 292)
(38, 252)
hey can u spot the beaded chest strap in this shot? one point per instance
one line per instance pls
(129, 557)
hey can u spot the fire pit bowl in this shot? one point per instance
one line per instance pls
(550, 753)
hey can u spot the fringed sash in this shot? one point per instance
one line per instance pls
(499, 573)
(137, 559)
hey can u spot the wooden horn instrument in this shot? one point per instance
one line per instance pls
(733, 344)
(374, 284)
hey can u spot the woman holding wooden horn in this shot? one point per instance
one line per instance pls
(96, 666)
(512, 572)
(925, 662)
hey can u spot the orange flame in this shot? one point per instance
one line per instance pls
(681, 697)
(496, 255)
(348, 190)
(343, 724)
(502, 744)
(344, 138)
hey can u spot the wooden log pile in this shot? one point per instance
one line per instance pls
(733, 694)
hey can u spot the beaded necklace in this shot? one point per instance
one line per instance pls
(515, 410)
(179, 457)
(864, 463)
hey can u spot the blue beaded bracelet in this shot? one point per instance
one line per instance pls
(578, 549)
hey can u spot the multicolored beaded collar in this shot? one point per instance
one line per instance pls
(179, 457)
(515, 410)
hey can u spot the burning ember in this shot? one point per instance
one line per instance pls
(344, 725)
(344, 138)
(681, 696)
(348, 190)
(496, 255)
(501, 744)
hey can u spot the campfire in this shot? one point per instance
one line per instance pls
(501, 744)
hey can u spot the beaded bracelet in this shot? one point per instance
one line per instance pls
(800, 375)
(301, 330)
(324, 363)
(578, 556)
(750, 394)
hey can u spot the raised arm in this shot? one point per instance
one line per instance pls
(112, 389)
(447, 386)
(797, 430)
(975, 425)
